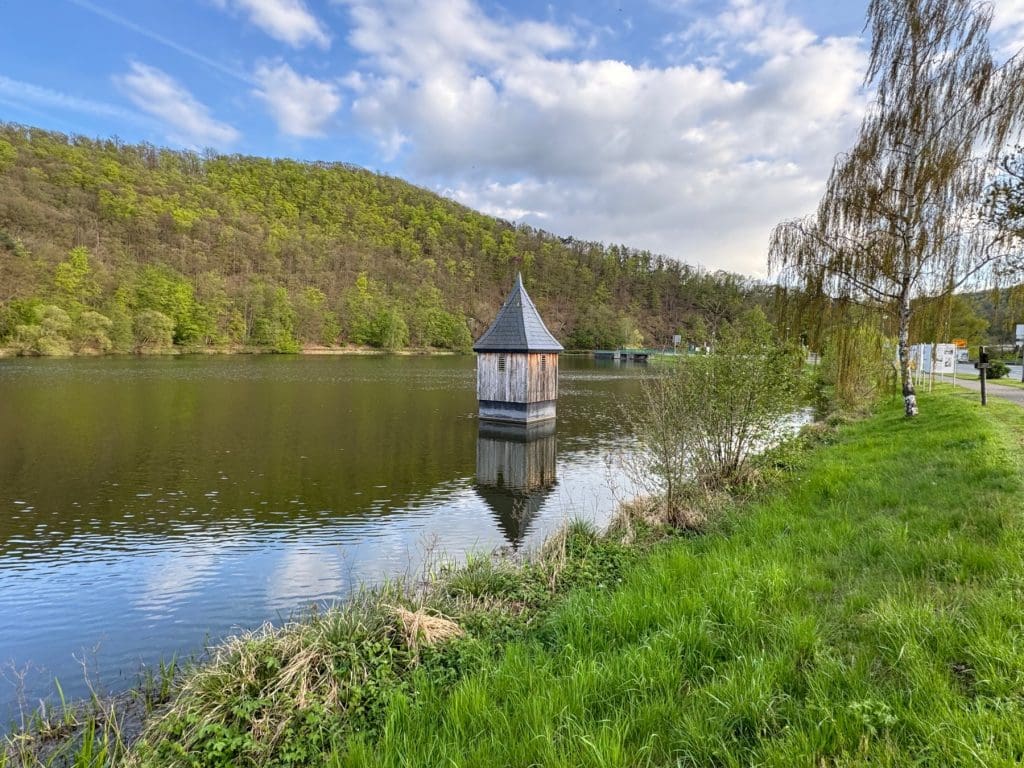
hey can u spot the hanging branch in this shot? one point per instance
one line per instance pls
(901, 214)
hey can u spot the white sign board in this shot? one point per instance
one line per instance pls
(945, 358)
(924, 358)
(676, 339)
(1020, 332)
(921, 357)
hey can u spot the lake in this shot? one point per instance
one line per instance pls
(149, 506)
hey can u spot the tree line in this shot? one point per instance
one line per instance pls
(106, 246)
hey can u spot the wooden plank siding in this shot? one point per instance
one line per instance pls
(519, 466)
(526, 378)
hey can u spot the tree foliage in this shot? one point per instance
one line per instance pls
(901, 215)
(210, 241)
(48, 335)
(153, 331)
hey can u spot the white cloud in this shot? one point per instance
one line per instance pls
(692, 160)
(302, 106)
(1008, 24)
(289, 21)
(186, 120)
(28, 93)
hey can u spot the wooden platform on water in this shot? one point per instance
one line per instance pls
(632, 355)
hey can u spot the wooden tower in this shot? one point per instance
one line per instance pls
(517, 364)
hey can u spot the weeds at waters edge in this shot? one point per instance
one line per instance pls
(93, 733)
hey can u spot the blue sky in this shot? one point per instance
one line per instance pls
(685, 126)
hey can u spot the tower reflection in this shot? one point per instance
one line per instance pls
(515, 472)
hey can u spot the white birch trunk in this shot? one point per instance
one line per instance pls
(903, 339)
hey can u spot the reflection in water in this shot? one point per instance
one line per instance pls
(515, 472)
(304, 573)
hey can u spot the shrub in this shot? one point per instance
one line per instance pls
(700, 423)
(996, 370)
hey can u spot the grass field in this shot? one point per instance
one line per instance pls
(863, 609)
(869, 613)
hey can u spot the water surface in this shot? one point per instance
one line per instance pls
(150, 505)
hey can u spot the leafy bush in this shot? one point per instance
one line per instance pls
(996, 370)
(701, 422)
(92, 332)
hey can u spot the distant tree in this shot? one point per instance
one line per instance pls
(431, 325)
(160, 288)
(154, 331)
(361, 303)
(92, 332)
(15, 313)
(73, 280)
(274, 324)
(721, 299)
(314, 322)
(899, 218)
(7, 154)
(390, 330)
(48, 335)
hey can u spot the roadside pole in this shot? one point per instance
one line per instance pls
(1019, 338)
(982, 368)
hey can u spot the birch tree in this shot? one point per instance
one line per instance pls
(901, 215)
(1006, 197)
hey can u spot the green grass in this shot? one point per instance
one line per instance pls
(867, 614)
(1005, 381)
(863, 609)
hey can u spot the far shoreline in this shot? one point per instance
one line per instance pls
(308, 351)
(9, 352)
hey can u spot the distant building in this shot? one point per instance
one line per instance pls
(517, 363)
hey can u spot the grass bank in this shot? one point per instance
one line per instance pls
(862, 608)
(868, 612)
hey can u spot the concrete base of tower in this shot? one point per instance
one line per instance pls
(517, 413)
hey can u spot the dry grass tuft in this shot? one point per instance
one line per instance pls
(688, 514)
(421, 628)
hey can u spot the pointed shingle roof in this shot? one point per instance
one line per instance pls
(518, 327)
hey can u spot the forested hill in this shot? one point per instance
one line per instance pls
(133, 247)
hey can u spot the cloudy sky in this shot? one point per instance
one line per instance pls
(688, 127)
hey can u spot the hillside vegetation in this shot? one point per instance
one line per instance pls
(107, 246)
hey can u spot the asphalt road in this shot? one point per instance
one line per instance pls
(969, 368)
(993, 389)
